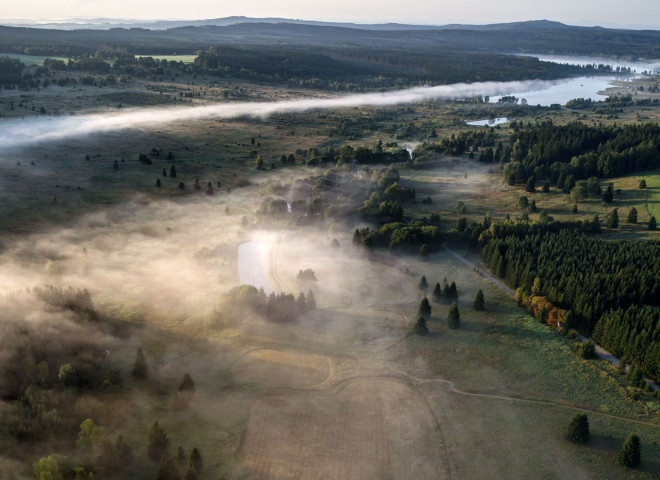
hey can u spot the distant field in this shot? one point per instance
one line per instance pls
(30, 60)
(170, 58)
(653, 198)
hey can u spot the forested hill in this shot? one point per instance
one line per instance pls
(523, 37)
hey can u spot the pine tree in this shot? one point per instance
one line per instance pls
(140, 369)
(197, 185)
(180, 456)
(311, 301)
(642, 183)
(613, 219)
(423, 284)
(172, 172)
(209, 189)
(157, 441)
(158, 182)
(546, 186)
(167, 470)
(630, 454)
(531, 184)
(608, 195)
(452, 293)
(421, 327)
(195, 461)
(164, 172)
(578, 429)
(187, 384)
(652, 223)
(424, 309)
(479, 301)
(632, 215)
(454, 318)
(437, 293)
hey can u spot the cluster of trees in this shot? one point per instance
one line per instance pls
(609, 288)
(468, 141)
(280, 307)
(559, 152)
(10, 72)
(417, 236)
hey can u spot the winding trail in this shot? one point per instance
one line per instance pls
(481, 272)
(452, 388)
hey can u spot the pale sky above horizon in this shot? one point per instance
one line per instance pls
(633, 13)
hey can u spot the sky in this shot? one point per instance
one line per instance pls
(633, 13)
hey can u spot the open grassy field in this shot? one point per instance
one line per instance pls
(171, 58)
(652, 193)
(31, 60)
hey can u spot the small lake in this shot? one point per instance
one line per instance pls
(490, 122)
(561, 91)
(638, 67)
(253, 265)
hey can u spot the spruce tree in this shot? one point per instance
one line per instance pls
(209, 189)
(423, 284)
(652, 223)
(452, 292)
(608, 196)
(613, 219)
(187, 384)
(437, 292)
(115, 165)
(195, 461)
(158, 182)
(157, 441)
(578, 429)
(167, 470)
(531, 184)
(197, 185)
(140, 369)
(632, 215)
(546, 186)
(454, 318)
(164, 172)
(630, 454)
(424, 308)
(479, 301)
(421, 327)
(172, 172)
(180, 456)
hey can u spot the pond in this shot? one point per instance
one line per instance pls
(491, 122)
(252, 265)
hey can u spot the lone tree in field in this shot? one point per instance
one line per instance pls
(195, 462)
(479, 301)
(531, 184)
(260, 162)
(172, 172)
(613, 219)
(424, 308)
(642, 183)
(140, 369)
(157, 441)
(187, 384)
(578, 429)
(158, 184)
(421, 328)
(652, 223)
(209, 189)
(423, 284)
(630, 454)
(115, 165)
(632, 215)
(454, 318)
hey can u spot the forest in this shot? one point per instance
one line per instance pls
(611, 289)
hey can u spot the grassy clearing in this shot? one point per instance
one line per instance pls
(171, 58)
(31, 60)
(652, 193)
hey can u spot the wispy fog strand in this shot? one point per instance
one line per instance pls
(18, 133)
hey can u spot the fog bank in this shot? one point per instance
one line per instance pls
(18, 133)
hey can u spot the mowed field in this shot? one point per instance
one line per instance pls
(653, 194)
(367, 429)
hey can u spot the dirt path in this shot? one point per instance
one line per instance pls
(481, 272)
(452, 388)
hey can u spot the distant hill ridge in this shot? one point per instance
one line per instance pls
(106, 24)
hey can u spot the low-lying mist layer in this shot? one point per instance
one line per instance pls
(25, 132)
